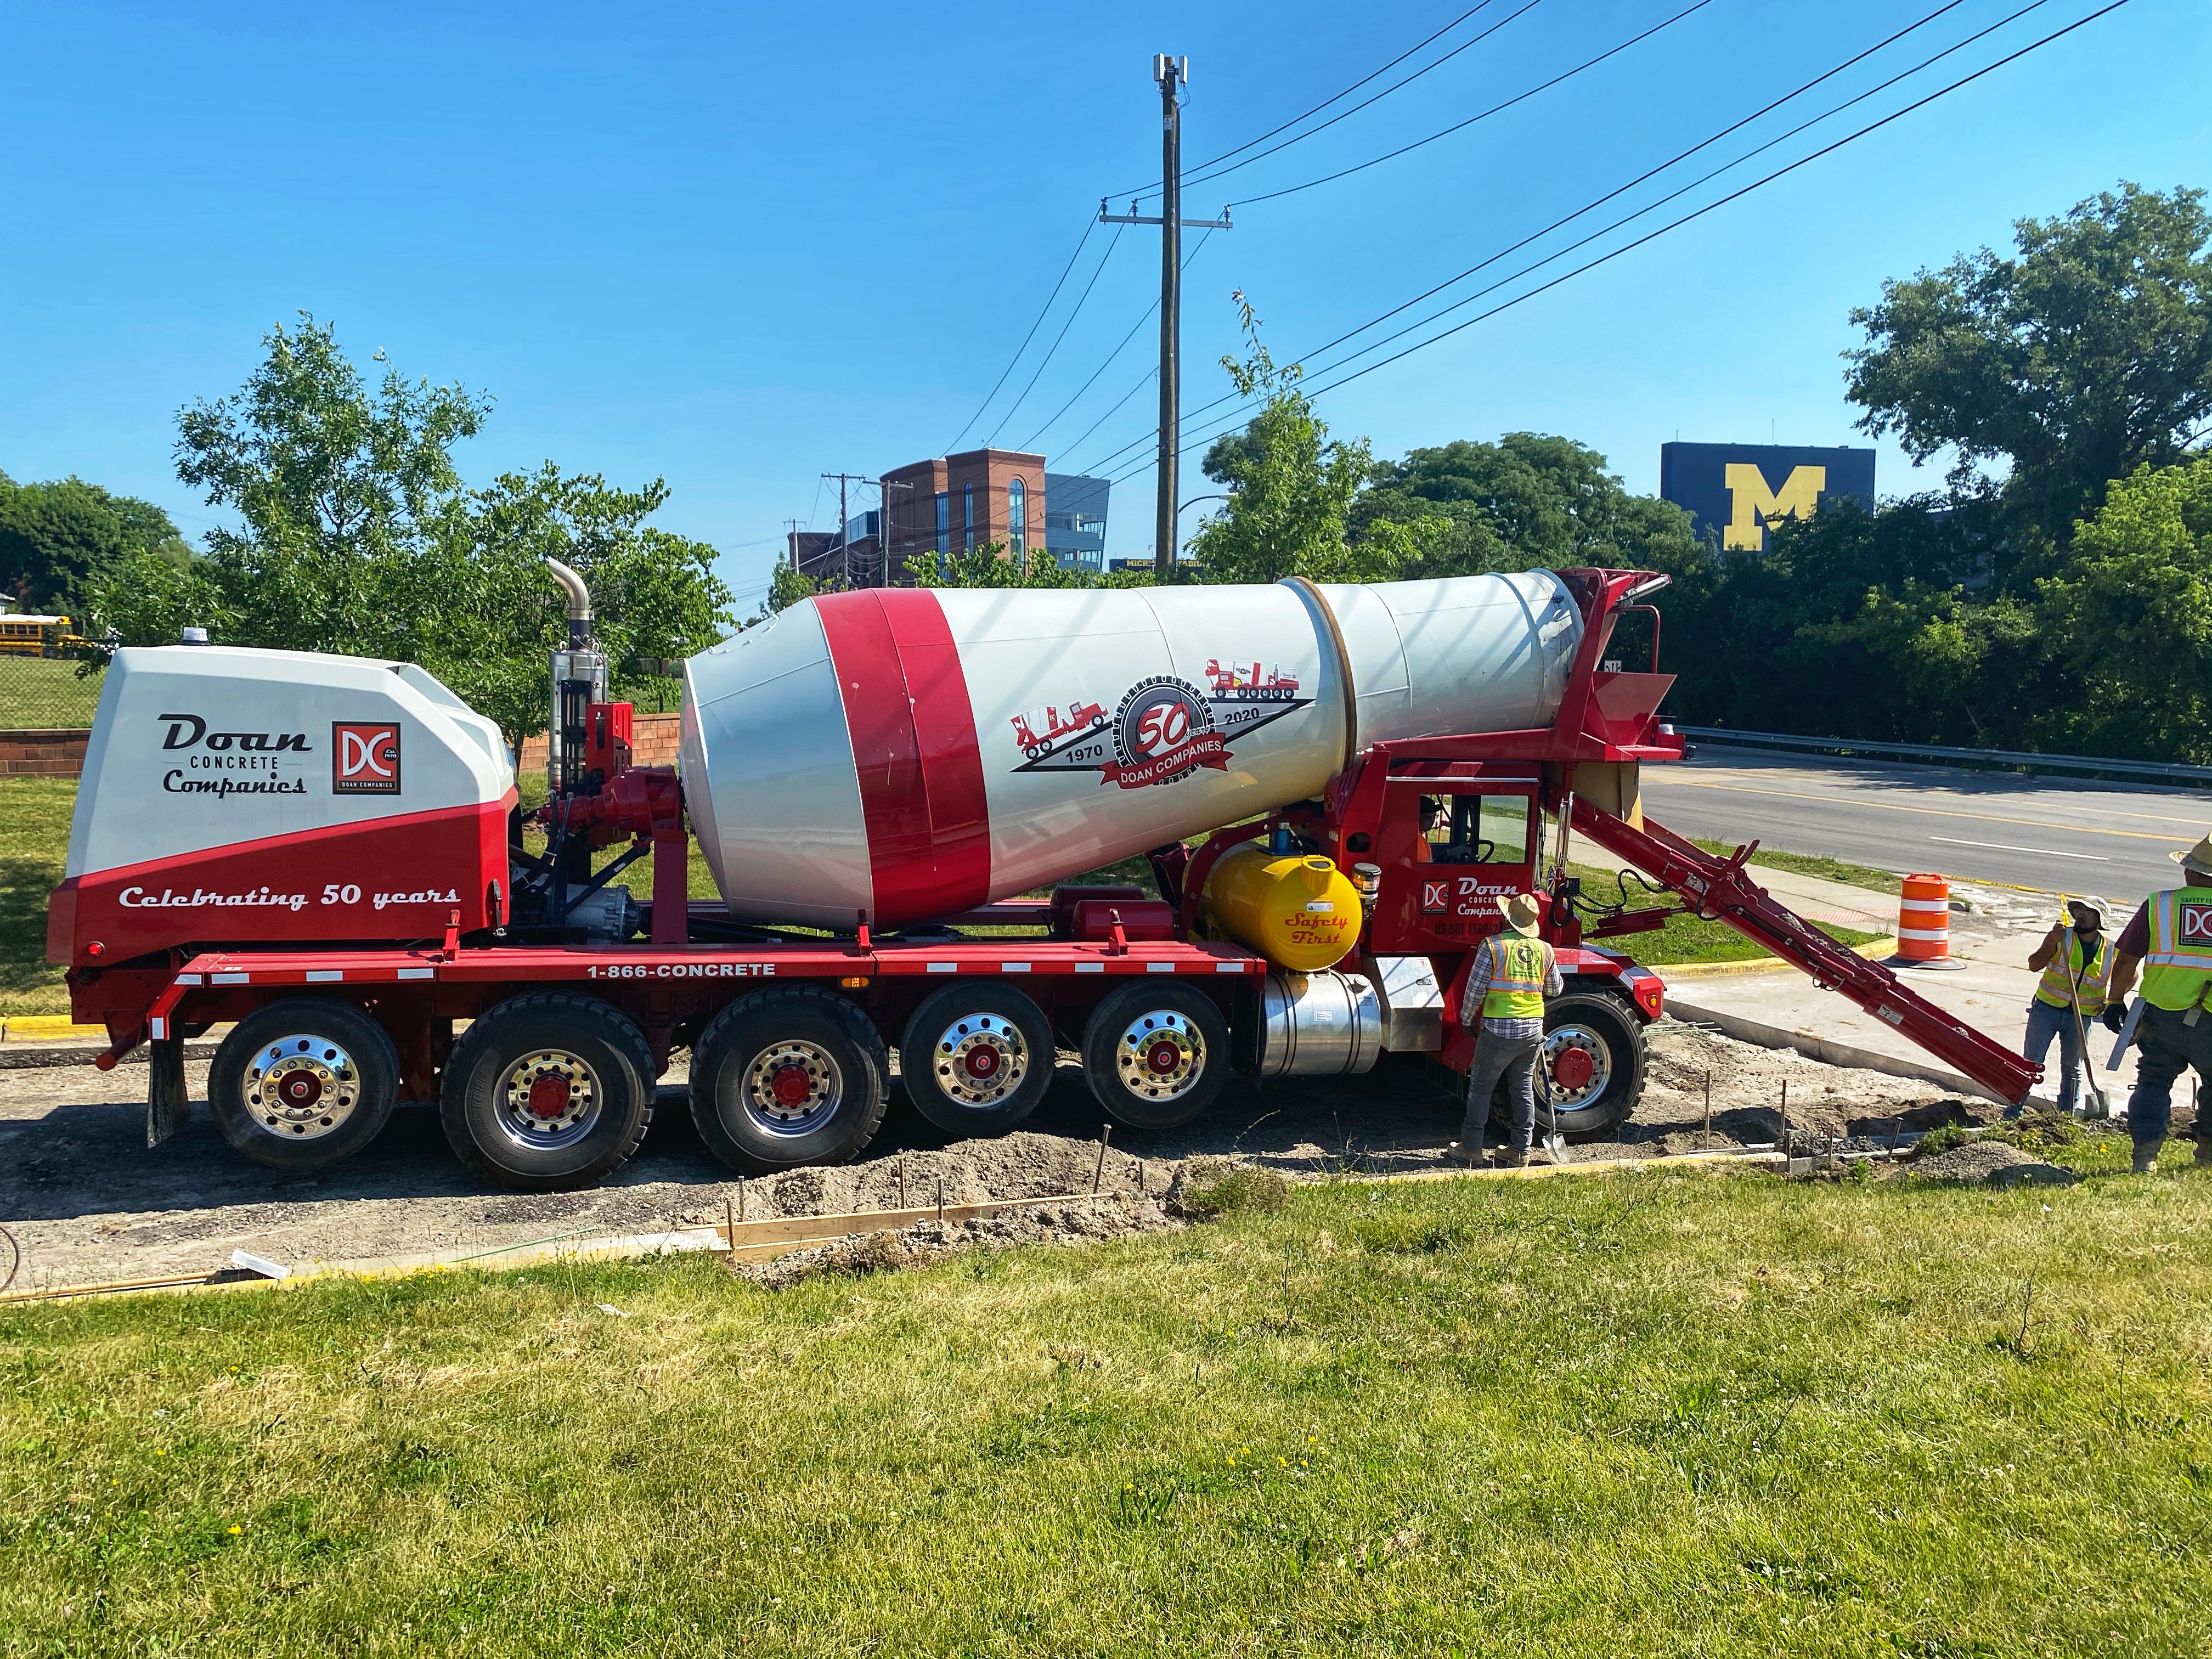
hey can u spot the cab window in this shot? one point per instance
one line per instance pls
(1475, 828)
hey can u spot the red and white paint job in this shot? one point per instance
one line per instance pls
(881, 750)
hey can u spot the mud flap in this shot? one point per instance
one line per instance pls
(169, 1102)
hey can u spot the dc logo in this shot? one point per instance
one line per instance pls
(364, 758)
(1436, 897)
(2196, 924)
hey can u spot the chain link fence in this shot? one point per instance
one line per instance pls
(44, 694)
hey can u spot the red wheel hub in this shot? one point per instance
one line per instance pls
(1164, 1056)
(301, 1089)
(548, 1097)
(790, 1086)
(982, 1062)
(1573, 1068)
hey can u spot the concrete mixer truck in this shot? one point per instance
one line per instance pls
(1333, 786)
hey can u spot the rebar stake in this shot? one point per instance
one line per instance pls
(729, 1223)
(1099, 1175)
(1708, 1139)
(1785, 1117)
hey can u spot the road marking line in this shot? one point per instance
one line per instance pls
(2148, 817)
(1892, 807)
(2040, 851)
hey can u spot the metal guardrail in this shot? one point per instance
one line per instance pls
(2170, 772)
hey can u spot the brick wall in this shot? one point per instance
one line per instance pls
(654, 740)
(43, 753)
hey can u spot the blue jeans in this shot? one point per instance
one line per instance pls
(2165, 1048)
(2045, 1023)
(1514, 1059)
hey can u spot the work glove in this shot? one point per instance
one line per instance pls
(2114, 1018)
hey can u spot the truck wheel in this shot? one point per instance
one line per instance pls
(1593, 1063)
(788, 1077)
(548, 1092)
(304, 1083)
(1156, 1056)
(976, 1059)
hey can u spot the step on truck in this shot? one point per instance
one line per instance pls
(328, 855)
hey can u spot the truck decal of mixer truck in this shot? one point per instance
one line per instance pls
(1164, 728)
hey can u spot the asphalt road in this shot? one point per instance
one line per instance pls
(2036, 832)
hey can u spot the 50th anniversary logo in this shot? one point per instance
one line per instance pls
(1164, 729)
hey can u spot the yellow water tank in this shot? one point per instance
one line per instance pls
(1298, 909)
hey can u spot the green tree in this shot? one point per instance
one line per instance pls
(361, 538)
(1290, 486)
(1529, 500)
(55, 538)
(2084, 357)
(2133, 614)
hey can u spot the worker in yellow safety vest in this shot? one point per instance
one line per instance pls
(1511, 975)
(2075, 958)
(2171, 938)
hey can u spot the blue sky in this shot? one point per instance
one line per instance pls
(739, 246)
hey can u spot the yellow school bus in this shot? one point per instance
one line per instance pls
(24, 636)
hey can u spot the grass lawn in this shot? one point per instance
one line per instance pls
(35, 830)
(44, 691)
(1657, 1414)
(1684, 939)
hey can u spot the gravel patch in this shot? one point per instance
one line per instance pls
(1989, 1162)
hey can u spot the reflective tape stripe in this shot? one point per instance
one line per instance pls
(1228, 966)
(324, 975)
(417, 973)
(1090, 966)
(1917, 932)
(944, 968)
(230, 979)
(1014, 967)
(1159, 966)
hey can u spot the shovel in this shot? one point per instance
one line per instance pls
(1552, 1141)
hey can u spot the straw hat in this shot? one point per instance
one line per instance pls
(1523, 913)
(2198, 857)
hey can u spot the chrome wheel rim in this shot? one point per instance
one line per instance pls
(1573, 1047)
(979, 1059)
(302, 1087)
(549, 1099)
(1160, 1055)
(793, 1088)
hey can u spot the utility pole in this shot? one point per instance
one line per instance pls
(1172, 74)
(791, 540)
(844, 545)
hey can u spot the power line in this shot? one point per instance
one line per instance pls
(1046, 361)
(1734, 196)
(1142, 191)
(1651, 173)
(1108, 362)
(1026, 338)
(1495, 109)
(1527, 7)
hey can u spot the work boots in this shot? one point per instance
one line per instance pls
(2204, 1154)
(2145, 1157)
(1507, 1158)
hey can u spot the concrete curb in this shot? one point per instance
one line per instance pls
(45, 1027)
(14, 1058)
(1832, 1053)
(1881, 950)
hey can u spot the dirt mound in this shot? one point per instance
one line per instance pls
(1121, 1215)
(1991, 1163)
(1019, 1165)
(1746, 1081)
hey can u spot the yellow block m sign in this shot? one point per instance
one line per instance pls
(1753, 506)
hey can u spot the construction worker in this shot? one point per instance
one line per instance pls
(2170, 936)
(2076, 962)
(1511, 975)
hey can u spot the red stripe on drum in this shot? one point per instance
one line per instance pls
(915, 750)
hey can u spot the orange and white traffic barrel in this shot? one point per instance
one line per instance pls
(1923, 922)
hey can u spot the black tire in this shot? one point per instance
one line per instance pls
(304, 1083)
(548, 1092)
(1600, 1026)
(963, 1027)
(798, 1036)
(1156, 1054)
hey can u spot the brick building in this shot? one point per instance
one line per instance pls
(955, 504)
